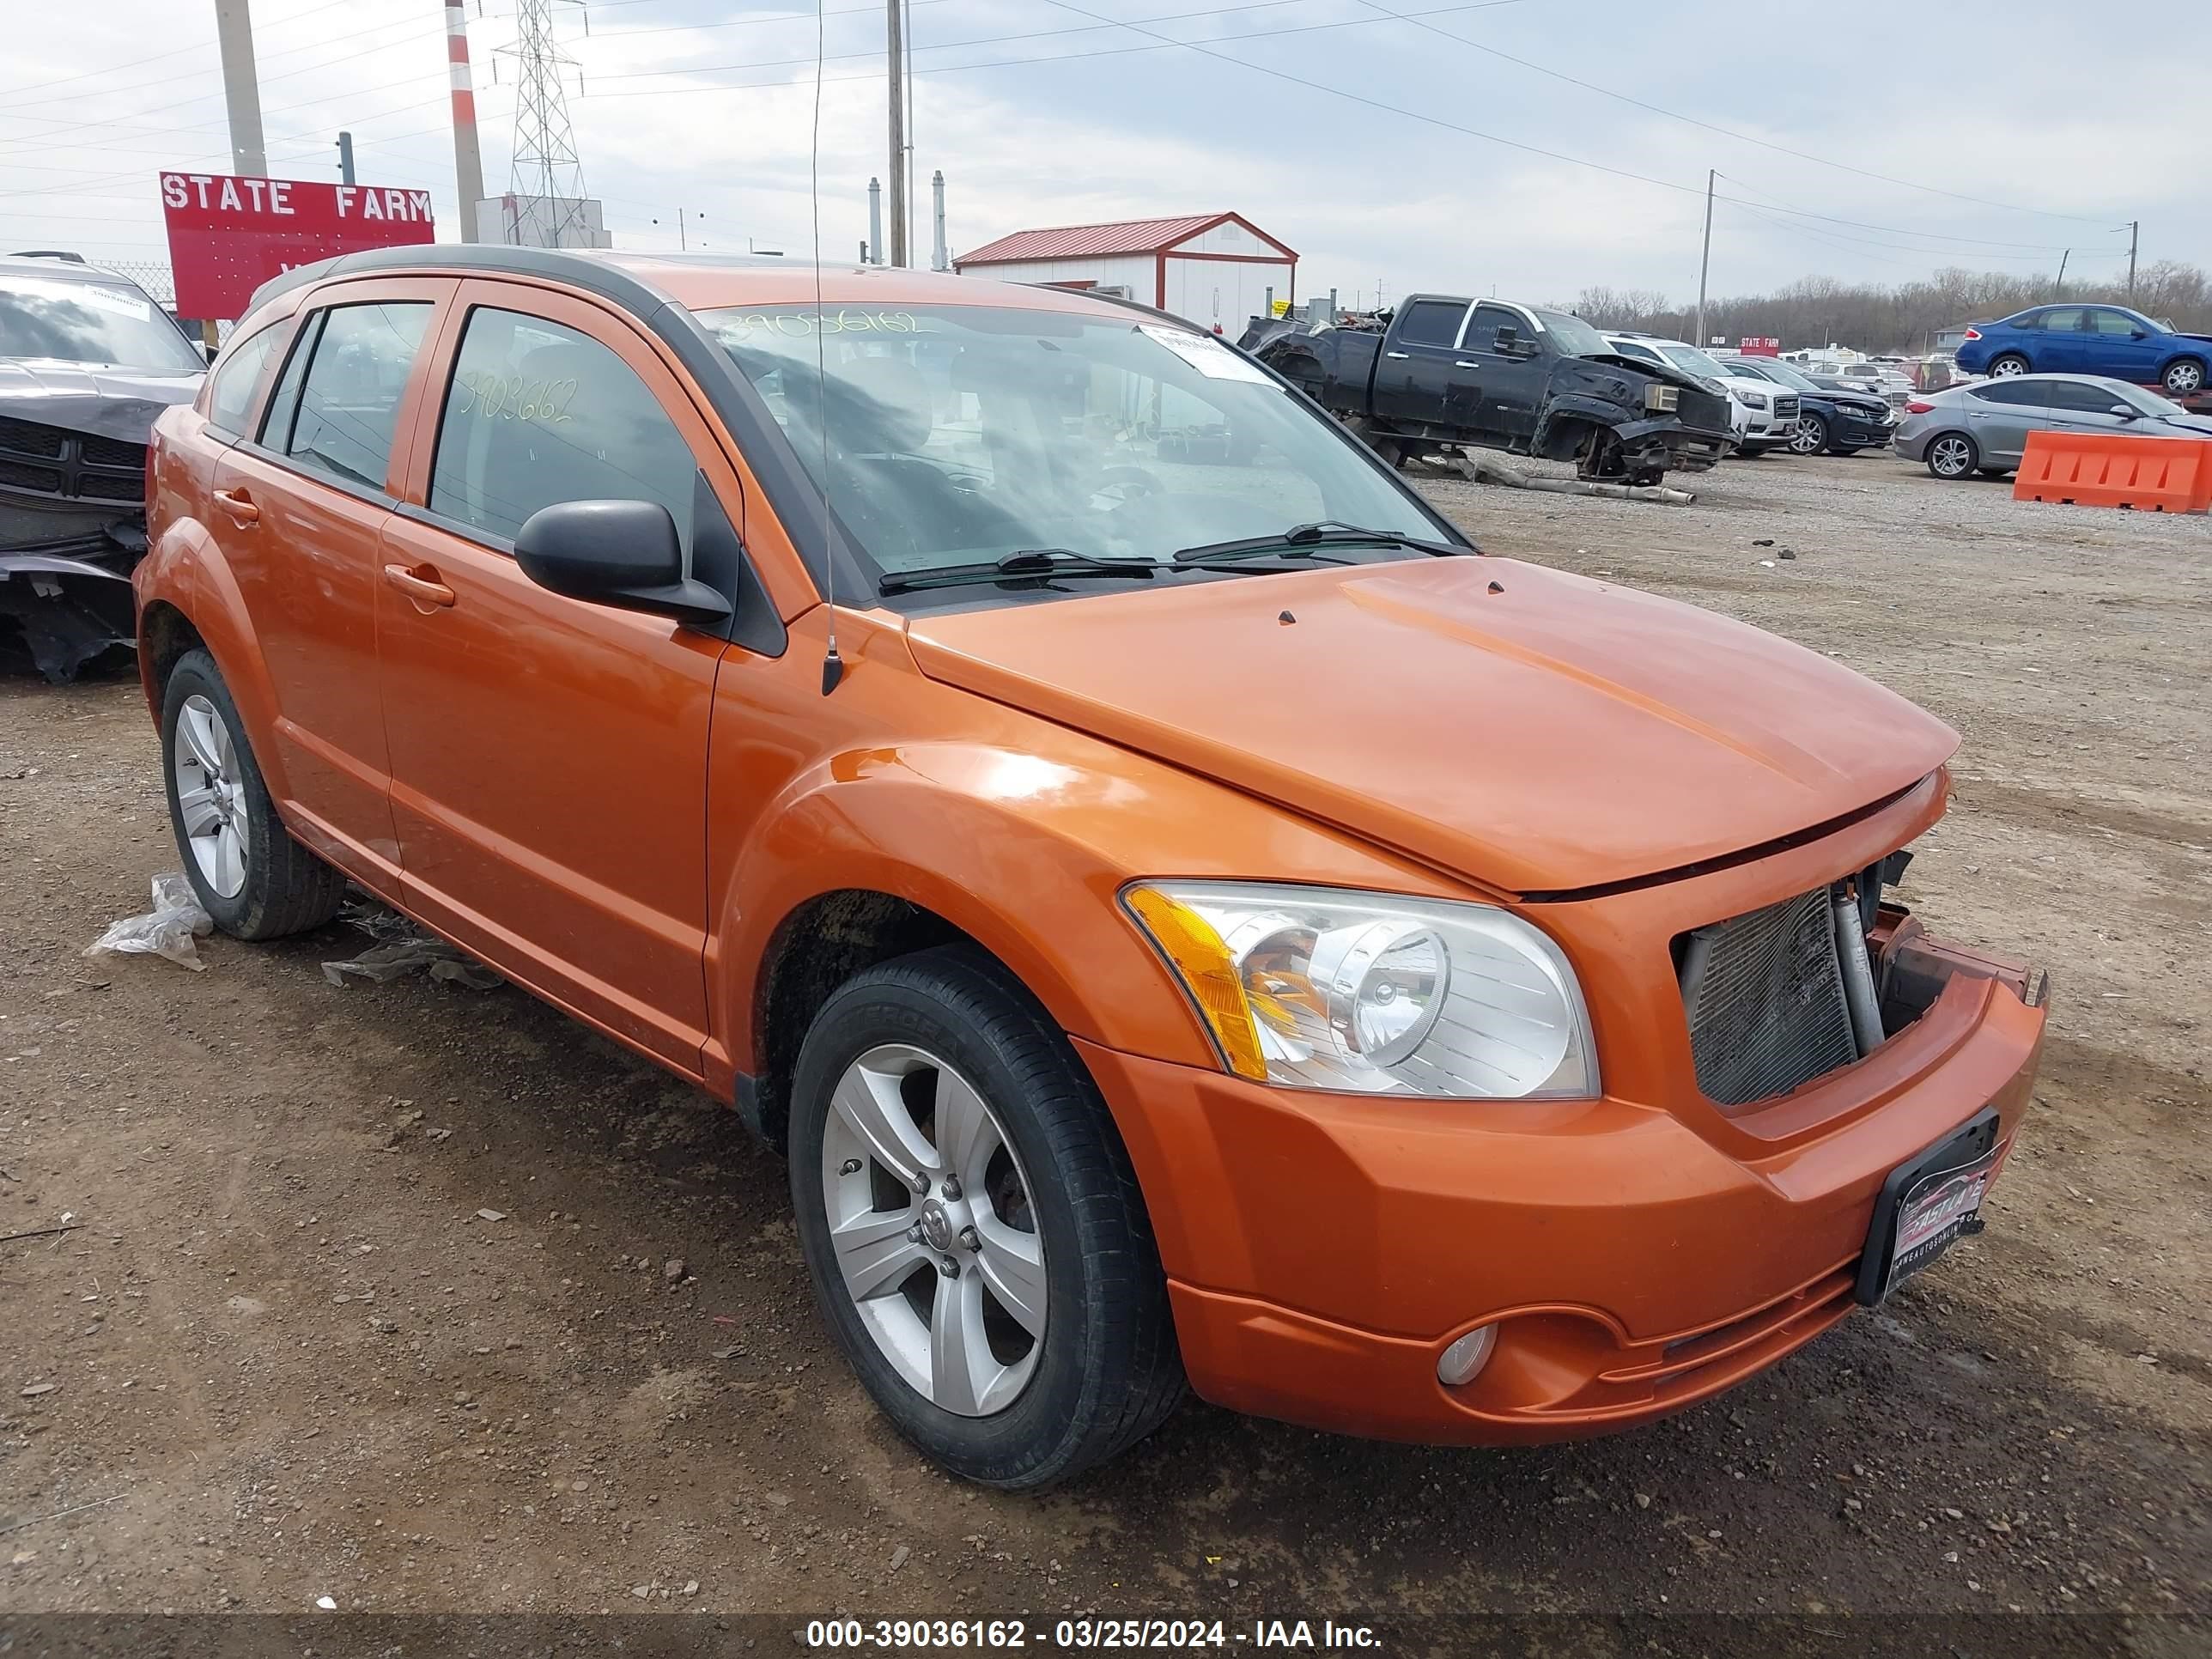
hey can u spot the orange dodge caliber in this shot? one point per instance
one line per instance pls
(1184, 913)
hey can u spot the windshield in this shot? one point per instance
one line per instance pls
(1691, 361)
(958, 434)
(1575, 337)
(1781, 373)
(80, 322)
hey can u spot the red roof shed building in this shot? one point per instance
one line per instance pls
(1214, 269)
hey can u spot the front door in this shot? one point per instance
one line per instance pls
(2113, 348)
(1502, 353)
(548, 756)
(2085, 406)
(1414, 378)
(299, 506)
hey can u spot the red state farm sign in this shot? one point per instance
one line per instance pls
(228, 235)
(1759, 345)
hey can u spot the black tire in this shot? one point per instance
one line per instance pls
(1844, 449)
(286, 888)
(2184, 376)
(1811, 435)
(1951, 456)
(2007, 363)
(1108, 1371)
(1994, 472)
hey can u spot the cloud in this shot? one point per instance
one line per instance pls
(1072, 126)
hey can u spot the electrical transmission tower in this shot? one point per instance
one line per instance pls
(547, 178)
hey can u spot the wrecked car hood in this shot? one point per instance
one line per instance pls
(1558, 733)
(106, 402)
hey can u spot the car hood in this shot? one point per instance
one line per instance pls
(1870, 403)
(1531, 730)
(104, 401)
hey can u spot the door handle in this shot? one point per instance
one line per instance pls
(422, 590)
(239, 505)
(1463, 363)
(1400, 356)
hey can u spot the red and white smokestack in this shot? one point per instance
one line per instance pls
(468, 157)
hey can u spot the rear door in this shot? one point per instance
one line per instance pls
(2000, 413)
(2060, 346)
(1414, 377)
(298, 506)
(548, 756)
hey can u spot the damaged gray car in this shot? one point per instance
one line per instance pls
(88, 360)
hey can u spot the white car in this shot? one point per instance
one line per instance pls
(1886, 382)
(1765, 415)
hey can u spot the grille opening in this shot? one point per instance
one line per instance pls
(1765, 997)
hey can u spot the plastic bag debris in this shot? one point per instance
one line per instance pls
(403, 948)
(167, 930)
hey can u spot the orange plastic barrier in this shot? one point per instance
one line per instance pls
(2098, 468)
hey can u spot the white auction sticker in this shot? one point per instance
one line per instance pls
(1208, 356)
(110, 300)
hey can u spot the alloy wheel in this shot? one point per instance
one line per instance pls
(934, 1230)
(1951, 458)
(212, 797)
(1809, 436)
(2183, 378)
(2005, 367)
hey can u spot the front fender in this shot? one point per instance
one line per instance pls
(933, 824)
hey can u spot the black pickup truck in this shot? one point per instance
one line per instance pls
(1440, 372)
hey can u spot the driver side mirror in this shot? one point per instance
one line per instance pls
(622, 554)
(2137, 334)
(2126, 411)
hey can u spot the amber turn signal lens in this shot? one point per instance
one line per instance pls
(1196, 951)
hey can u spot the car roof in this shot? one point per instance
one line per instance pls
(699, 282)
(54, 268)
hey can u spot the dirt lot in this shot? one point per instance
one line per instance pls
(289, 1358)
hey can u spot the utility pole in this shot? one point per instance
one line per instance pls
(2059, 289)
(895, 41)
(468, 154)
(2135, 235)
(241, 88)
(345, 158)
(940, 255)
(1705, 259)
(875, 242)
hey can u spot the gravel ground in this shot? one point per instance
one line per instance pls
(426, 1299)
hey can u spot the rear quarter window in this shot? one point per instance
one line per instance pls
(356, 371)
(232, 385)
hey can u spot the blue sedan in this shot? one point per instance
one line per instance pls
(2109, 340)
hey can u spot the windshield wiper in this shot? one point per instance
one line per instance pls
(1022, 562)
(1326, 532)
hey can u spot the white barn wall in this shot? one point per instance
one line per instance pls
(1225, 291)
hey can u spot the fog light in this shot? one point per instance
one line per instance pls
(1466, 1357)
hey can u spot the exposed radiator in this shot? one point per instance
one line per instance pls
(1765, 997)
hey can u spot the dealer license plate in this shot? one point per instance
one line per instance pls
(1926, 1204)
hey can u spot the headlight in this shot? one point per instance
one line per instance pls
(1749, 398)
(1314, 987)
(1661, 399)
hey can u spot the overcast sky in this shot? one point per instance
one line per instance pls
(2039, 108)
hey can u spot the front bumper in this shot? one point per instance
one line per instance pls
(1323, 1250)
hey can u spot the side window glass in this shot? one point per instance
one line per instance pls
(2067, 321)
(2086, 399)
(1432, 322)
(1630, 348)
(2112, 322)
(538, 413)
(230, 388)
(284, 401)
(349, 399)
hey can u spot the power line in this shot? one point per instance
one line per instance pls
(1415, 19)
(174, 51)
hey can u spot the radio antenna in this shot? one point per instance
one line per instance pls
(833, 665)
